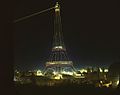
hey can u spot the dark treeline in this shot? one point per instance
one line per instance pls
(64, 90)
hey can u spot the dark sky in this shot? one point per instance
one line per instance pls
(90, 33)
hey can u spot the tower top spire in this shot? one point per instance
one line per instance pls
(57, 7)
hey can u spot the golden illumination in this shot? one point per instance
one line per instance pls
(67, 73)
(106, 70)
(39, 73)
(58, 76)
(100, 70)
(58, 62)
(83, 70)
(101, 82)
(118, 82)
(54, 73)
(58, 47)
(78, 75)
(57, 7)
(106, 84)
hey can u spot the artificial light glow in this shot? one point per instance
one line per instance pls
(51, 63)
(54, 73)
(83, 70)
(100, 70)
(58, 62)
(106, 70)
(58, 47)
(15, 79)
(57, 8)
(58, 76)
(78, 75)
(39, 73)
(117, 82)
(67, 73)
(106, 84)
(17, 72)
(101, 82)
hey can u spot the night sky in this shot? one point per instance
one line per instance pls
(90, 33)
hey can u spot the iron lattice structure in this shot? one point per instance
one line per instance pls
(58, 59)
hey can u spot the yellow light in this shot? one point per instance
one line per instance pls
(78, 75)
(51, 63)
(59, 76)
(106, 70)
(100, 70)
(58, 47)
(39, 73)
(117, 82)
(67, 73)
(17, 72)
(57, 7)
(101, 82)
(107, 85)
(83, 70)
(54, 73)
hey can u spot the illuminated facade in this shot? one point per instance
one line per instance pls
(58, 60)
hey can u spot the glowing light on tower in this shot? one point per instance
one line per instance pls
(39, 73)
(83, 70)
(106, 70)
(58, 59)
(100, 70)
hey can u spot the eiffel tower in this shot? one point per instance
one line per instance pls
(58, 61)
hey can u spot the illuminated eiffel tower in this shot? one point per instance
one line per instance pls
(58, 60)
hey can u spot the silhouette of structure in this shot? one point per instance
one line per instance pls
(58, 61)
(114, 74)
